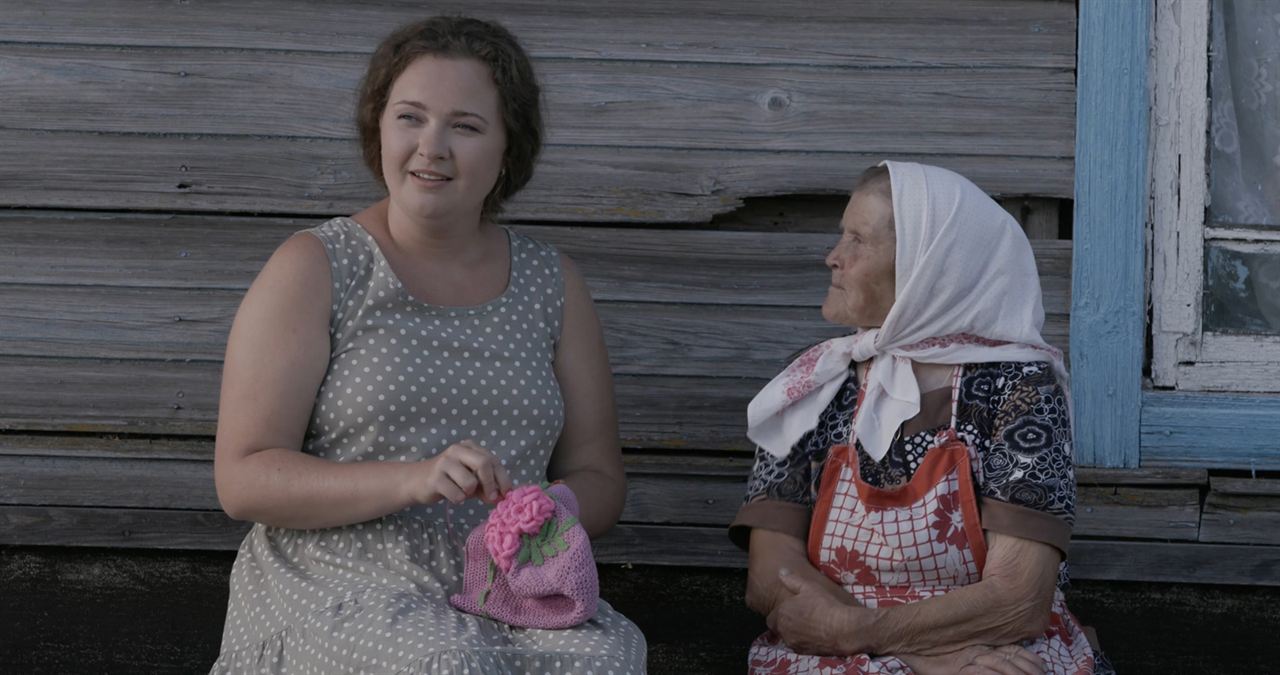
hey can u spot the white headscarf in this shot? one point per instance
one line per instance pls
(966, 291)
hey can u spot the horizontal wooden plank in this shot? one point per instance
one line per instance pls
(1237, 375)
(683, 500)
(716, 465)
(930, 111)
(624, 264)
(1094, 476)
(158, 397)
(87, 396)
(113, 482)
(651, 544)
(1175, 562)
(192, 325)
(213, 530)
(1261, 487)
(1225, 431)
(941, 33)
(96, 446)
(665, 490)
(669, 545)
(719, 465)
(1242, 511)
(120, 528)
(188, 484)
(1138, 513)
(116, 323)
(323, 177)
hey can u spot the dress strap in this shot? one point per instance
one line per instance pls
(956, 374)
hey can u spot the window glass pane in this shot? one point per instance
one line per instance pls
(1244, 117)
(1242, 289)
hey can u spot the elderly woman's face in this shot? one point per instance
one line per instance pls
(862, 270)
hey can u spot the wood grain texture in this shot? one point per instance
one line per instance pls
(180, 398)
(1258, 487)
(1107, 347)
(1037, 216)
(237, 174)
(1175, 563)
(926, 111)
(661, 490)
(1225, 431)
(1179, 181)
(1145, 476)
(906, 33)
(1237, 375)
(1241, 518)
(648, 544)
(783, 269)
(1138, 513)
(192, 325)
(95, 446)
(1242, 510)
(119, 528)
(107, 482)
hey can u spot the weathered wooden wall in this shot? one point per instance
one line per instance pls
(156, 151)
(664, 111)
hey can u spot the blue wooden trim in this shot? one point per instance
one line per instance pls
(1219, 431)
(1108, 317)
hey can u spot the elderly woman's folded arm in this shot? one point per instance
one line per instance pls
(772, 551)
(1010, 604)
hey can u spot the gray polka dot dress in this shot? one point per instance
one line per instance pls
(406, 380)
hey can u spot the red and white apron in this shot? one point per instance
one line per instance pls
(892, 547)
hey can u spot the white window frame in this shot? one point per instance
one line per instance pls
(1183, 355)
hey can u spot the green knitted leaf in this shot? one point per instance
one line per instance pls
(488, 585)
(537, 555)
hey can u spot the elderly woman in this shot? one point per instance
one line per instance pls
(913, 491)
(388, 365)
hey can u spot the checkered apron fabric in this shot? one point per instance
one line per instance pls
(892, 547)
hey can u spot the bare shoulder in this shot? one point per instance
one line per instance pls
(575, 287)
(293, 286)
(301, 254)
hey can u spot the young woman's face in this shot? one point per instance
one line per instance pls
(442, 137)
(862, 263)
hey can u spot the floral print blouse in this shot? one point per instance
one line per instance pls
(1013, 414)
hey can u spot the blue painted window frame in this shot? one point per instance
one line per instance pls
(1118, 423)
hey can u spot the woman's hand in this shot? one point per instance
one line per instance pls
(463, 470)
(811, 620)
(978, 660)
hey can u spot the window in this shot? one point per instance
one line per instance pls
(1215, 219)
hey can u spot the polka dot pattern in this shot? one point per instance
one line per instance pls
(407, 379)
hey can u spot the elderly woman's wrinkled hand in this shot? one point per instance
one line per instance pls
(811, 621)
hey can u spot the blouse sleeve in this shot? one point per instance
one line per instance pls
(1028, 486)
(782, 490)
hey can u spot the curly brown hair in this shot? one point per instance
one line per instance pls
(460, 37)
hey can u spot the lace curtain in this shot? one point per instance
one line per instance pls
(1244, 124)
(1242, 280)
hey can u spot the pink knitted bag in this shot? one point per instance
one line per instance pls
(530, 564)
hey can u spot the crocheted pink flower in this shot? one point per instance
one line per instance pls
(522, 511)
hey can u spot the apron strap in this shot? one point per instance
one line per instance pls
(975, 462)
